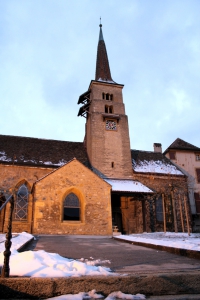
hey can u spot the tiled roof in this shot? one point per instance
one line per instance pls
(181, 145)
(42, 152)
(153, 162)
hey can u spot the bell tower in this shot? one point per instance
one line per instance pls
(106, 130)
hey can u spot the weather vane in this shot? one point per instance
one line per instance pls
(100, 25)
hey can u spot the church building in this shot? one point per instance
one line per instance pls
(89, 187)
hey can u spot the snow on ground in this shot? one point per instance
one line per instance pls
(93, 295)
(96, 262)
(18, 240)
(43, 264)
(170, 239)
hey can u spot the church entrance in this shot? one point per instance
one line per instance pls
(116, 212)
(128, 213)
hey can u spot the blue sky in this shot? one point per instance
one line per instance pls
(48, 58)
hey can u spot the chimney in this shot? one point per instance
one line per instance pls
(157, 147)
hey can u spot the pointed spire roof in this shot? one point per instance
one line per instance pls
(102, 64)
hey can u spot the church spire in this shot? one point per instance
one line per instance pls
(102, 64)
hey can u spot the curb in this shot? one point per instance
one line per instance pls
(149, 285)
(178, 251)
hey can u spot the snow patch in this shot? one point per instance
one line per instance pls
(155, 167)
(3, 157)
(93, 295)
(127, 186)
(43, 264)
(178, 240)
(18, 240)
(109, 81)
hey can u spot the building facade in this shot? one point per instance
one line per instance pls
(87, 188)
(187, 157)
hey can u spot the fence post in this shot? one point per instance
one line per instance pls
(6, 269)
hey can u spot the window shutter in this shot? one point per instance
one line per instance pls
(197, 201)
(172, 154)
(198, 175)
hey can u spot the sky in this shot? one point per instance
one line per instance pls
(48, 58)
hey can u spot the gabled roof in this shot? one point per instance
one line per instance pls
(153, 162)
(179, 144)
(40, 152)
(64, 166)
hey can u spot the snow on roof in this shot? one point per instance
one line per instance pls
(109, 81)
(155, 167)
(43, 152)
(128, 186)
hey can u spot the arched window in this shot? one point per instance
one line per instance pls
(111, 97)
(103, 96)
(71, 209)
(107, 97)
(21, 203)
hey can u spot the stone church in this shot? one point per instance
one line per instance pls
(90, 187)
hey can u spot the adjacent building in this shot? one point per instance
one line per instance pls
(187, 157)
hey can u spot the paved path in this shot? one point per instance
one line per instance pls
(124, 258)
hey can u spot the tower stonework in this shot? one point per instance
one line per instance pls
(107, 134)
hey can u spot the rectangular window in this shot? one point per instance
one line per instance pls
(197, 156)
(172, 154)
(198, 175)
(159, 209)
(197, 201)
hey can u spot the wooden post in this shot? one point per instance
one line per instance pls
(164, 214)
(186, 213)
(174, 212)
(181, 213)
(8, 243)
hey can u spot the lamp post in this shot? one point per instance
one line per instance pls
(6, 269)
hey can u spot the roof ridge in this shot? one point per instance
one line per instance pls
(181, 144)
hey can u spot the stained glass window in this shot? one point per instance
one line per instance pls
(71, 208)
(111, 125)
(21, 203)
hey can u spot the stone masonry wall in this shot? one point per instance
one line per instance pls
(108, 150)
(165, 185)
(93, 194)
(11, 177)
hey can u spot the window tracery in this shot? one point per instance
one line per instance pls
(21, 203)
(71, 208)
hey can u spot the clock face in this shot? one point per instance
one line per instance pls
(111, 125)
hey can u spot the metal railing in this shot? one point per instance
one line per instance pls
(6, 268)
